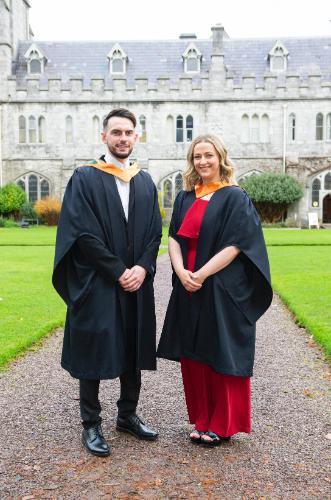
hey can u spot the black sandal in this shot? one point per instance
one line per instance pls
(215, 440)
(196, 440)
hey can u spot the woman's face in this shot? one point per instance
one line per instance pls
(206, 162)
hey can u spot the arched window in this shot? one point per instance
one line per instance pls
(21, 184)
(328, 127)
(192, 62)
(35, 66)
(245, 128)
(192, 59)
(170, 187)
(69, 130)
(117, 60)
(44, 189)
(264, 128)
(292, 127)
(327, 181)
(315, 192)
(142, 123)
(96, 129)
(170, 129)
(167, 194)
(319, 127)
(41, 129)
(255, 132)
(22, 129)
(278, 60)
(35, 60)
(179, 129)
(33, 188)
(32, 129)
(117, 65)
(189, 128)
(178, 183)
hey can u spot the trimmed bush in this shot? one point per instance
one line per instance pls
(48, 210)
(272, 194)
(12, 198)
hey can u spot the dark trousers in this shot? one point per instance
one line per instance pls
(90, 407)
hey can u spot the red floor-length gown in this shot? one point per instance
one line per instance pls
(215, 402)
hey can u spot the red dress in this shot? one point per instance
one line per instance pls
(215, 402)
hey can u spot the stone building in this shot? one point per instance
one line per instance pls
(269, 99)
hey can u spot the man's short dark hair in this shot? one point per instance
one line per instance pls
(122, 113)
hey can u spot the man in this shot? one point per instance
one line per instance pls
(107, 243)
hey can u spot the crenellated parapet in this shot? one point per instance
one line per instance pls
(186, 88)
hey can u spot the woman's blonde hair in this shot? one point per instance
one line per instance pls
(190, 175)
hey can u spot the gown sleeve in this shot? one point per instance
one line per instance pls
(148, 259)
(98, 257)
(247, 277)
(71, 278)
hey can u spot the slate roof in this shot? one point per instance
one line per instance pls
(153, 59)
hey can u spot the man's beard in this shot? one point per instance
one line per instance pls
(121, 156)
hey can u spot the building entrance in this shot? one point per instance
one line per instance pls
(327, 209)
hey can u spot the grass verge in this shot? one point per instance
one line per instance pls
(302, 278)
(29, 306)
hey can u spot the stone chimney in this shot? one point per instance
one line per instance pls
(217, 37)
(217, 67)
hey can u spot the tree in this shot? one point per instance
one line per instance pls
(272, 194)
(12, 197)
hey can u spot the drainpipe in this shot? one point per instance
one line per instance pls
(284, 138)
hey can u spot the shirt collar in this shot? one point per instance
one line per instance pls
(109, 158)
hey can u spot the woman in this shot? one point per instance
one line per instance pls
(221, 286)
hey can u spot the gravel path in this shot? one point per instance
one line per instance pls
(41, 455)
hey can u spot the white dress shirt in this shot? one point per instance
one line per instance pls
(122, 187)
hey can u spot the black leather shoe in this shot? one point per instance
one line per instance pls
(133, 425)
(94, 441)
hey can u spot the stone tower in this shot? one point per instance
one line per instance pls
(14, 27)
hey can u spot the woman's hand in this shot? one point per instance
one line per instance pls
(187, 280)
(199, 276)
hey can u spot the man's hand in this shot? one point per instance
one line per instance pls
(132, 279)
(188, 281)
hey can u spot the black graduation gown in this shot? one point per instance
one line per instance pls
(216, 325)
(98, 311)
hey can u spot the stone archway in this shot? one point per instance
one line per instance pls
(327, 209)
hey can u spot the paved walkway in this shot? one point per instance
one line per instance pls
(285, 456)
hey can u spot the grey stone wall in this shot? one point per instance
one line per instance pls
(216, 104)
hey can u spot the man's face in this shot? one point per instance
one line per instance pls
(120, 137)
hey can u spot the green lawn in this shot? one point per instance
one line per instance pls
(33, 235)
(302, 277)
(297, 237)
(30, 308)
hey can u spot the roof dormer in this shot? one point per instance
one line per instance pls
(35, 59)
(278, 57)
(117, 60)
(192, 59)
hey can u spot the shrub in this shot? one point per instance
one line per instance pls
(48, 210)
(7, 222)
(272, 194)
(12, 198)
(27, 211)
